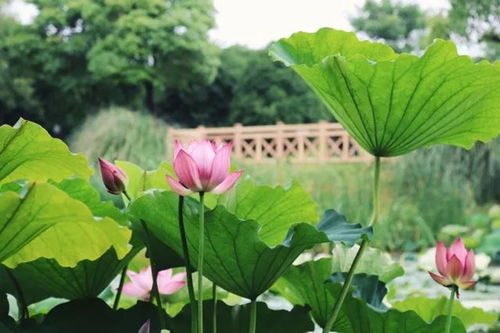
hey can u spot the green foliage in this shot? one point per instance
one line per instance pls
(81, 55)
(43, 221)
(28, 152)
(430, 308)
(490, 244)
(236, 319)
(306, 284)
(393, 21)
(330, 185)
(373, 262)
(244, 253)
(477, 21)
(394, 103)
(249, 266)
(140, 180)
(121, 134)
(250, 89)
(44, 277)
(268, 92)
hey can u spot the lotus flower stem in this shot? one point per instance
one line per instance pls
(154, 272)
(214, 310)
(450, 309)
(189, 269)
(201, 246)
(124, 270)
(364, 243)
(253, 316)
(120, 287)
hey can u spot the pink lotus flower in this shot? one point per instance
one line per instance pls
(455, 265)
(141, 283)
(112, 176)
(202, 167)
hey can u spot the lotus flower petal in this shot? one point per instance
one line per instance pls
(228, 183)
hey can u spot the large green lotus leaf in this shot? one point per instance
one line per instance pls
(44, 221)
(44, 278)
(394, 103)
(81, 190)
(374, 262)
(366, 287)
(140, 180)
(276, 209)
(236, 258)
(94, 315)
(27, 151)
(231, 319)
(308, 284)
(430, 308)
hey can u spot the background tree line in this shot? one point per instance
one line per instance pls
(78, 56)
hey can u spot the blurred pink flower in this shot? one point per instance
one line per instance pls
(112, 176)
(202, 167)
(145, 328)
(455, 265)
(141, 283)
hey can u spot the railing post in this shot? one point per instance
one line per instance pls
(301, 146)
(280, 141)
(201, 132)
(237, 141)
(322, 138)
(345, 146)
(258, 148)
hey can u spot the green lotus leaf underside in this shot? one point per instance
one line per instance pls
(394, 103)
(41, 220)
(44, 277)
(28, 152)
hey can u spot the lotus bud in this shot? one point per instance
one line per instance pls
(113, 177)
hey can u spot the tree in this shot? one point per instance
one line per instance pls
(478, 21)
(393, 22)
(269, 92)
(80, 55)
(249, 88)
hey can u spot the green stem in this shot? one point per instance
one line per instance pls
(124, 270)
(21, 300)
(189, 269)
(214, 306)
(154, 272)
(450, 309)
(253, 316)
(201, 245)
(120, 288)
(364, 243)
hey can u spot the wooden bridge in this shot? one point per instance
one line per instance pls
(299, 143)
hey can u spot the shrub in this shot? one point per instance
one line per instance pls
(118, 133)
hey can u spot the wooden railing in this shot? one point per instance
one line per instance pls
(301, 143)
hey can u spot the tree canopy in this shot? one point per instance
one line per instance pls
(83, 54)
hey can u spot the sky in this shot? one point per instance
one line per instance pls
(256, 23)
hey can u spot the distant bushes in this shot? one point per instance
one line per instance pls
(432, 188)
(118, 133)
